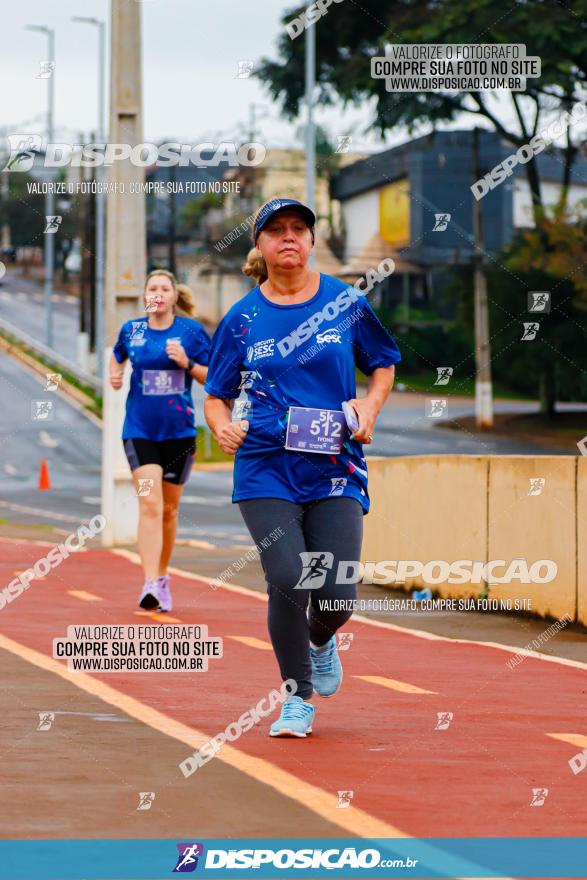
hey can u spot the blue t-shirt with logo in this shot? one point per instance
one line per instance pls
(159, 405)
(268, 357)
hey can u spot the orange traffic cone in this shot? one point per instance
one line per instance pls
(44, 480)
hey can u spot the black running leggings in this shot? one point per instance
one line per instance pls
(329, 526)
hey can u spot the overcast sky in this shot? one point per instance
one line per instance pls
(191, 50)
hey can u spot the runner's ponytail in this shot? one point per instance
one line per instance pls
(256, 267)
(186, 304)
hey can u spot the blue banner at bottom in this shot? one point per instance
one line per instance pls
(453, 858)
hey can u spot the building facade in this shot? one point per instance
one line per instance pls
(414, 203)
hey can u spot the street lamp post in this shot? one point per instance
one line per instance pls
(100, 196)
(483, 385)
(125, 260)
(49, 197)
(310, 131)
(310, 134)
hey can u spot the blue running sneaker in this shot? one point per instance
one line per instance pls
(295, 719)
(326, 668)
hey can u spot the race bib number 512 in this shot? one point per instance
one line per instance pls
(315, 430)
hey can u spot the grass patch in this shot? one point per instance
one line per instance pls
(40, 527)
(465, 387)
(208, 450)
(564, 430)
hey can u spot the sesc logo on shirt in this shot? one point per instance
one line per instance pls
(330, 335)
(261, 349)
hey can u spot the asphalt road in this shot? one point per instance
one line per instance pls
(404, 428)
(71, 443)
(22, 302)
(72, 446)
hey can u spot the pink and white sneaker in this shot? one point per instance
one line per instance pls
(149, 596)
(164, 593)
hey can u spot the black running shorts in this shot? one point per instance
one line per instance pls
(176, 457)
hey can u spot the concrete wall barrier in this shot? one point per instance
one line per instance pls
(535, 527)
(582, 540)
(484, 508)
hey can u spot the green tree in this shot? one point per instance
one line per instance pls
(349, 36)
(24, 212)
(554, 363)
(556, 357)
(327, 159)
(558, 248)
(551, 257)
(194, 212)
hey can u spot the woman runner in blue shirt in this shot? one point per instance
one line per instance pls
(166, 349)
(282, 364)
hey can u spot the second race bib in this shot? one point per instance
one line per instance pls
(163, 381)
(315, 430)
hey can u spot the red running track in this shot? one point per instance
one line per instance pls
(474, 779)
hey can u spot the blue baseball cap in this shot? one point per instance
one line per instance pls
(270, 209)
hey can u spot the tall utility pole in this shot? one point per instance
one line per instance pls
(252, 121)
(86, 237)
(5, 239)
(49, 197)
(171, 225)
(252, 135)
(310, 131)
(100, 196)
(125, 262)
(483, 387)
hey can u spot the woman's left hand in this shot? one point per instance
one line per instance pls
(176, 352)
(367, 411)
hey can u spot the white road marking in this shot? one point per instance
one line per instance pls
(218, 501)
(97, 716)
(84, 596)
(38, 511)
(45, 439)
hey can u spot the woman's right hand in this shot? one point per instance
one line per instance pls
(116, 379)
(232, 435)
